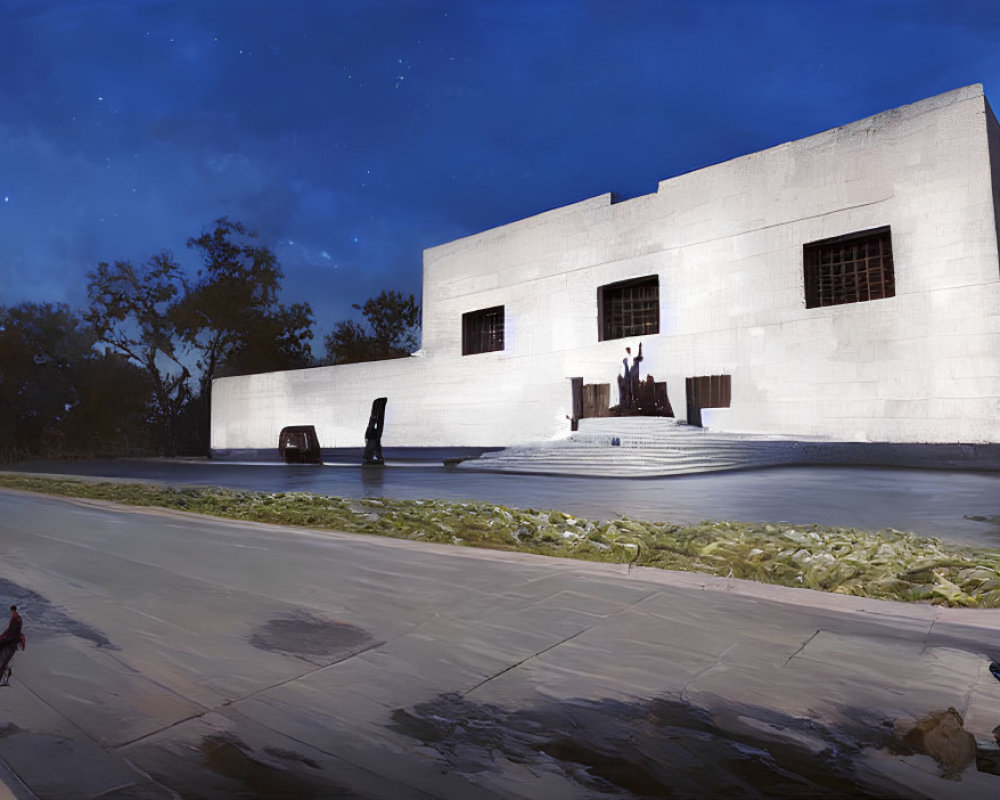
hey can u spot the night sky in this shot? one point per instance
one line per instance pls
(352, 134)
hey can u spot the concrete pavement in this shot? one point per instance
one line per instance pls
(171, 655)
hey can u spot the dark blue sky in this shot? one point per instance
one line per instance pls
(352, 134)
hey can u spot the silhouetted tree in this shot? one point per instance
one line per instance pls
(44, 350)
(230, 316)
(58, 395)
(113, 409)
(61, 392)
(132, 311)
(392, 321)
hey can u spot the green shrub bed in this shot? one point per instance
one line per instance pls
(886, 564)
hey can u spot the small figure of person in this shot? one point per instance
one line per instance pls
(9, 641)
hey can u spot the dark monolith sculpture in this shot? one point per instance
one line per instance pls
(373, 434)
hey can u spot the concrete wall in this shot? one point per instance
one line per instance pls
(726, 242)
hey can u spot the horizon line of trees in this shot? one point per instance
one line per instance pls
(131, 374)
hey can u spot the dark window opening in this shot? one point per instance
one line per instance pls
(629, 308)
(849, 269)
(482, 331)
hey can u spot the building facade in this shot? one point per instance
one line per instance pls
(845, 285)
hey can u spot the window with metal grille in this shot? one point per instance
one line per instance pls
(849, 269)
(629, 308)
(482, 331)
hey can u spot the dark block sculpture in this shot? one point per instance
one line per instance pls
(298, 444)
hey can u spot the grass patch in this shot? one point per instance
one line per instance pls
(886, 564)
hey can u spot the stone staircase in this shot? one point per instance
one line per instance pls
(647, 446)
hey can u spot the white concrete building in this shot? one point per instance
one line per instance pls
(847, 283)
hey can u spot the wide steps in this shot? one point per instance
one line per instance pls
(646, 446)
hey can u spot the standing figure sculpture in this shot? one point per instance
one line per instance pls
(373, 434)
(629, 385)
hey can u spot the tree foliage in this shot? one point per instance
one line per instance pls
(185, 333)
(132, 310)
(230, 316)
(58, 396)
(41, 347)
(392, 320)
(113, 413)
(133, 374)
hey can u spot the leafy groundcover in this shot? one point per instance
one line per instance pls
(887, 564)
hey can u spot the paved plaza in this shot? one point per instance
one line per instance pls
(172, 655)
